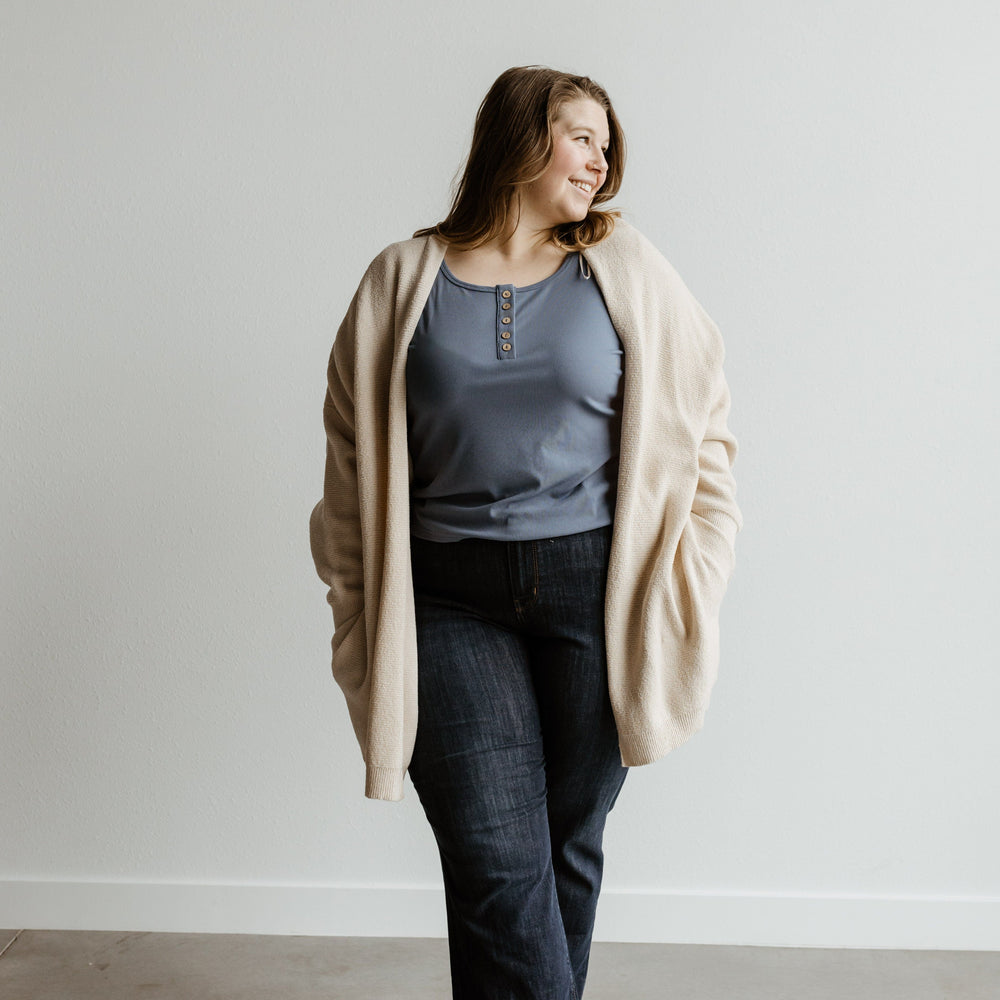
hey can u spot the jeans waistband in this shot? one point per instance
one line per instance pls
(496, 578)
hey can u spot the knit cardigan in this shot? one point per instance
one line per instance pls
(675, 519)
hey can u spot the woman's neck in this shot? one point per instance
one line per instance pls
(511, 262)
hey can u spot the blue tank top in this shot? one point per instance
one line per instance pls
(514, 408)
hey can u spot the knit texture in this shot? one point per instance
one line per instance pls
(676, 516)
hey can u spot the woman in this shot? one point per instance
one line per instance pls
(527, 527)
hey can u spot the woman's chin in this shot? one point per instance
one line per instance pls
(577, 215)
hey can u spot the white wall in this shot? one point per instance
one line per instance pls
(191, 191)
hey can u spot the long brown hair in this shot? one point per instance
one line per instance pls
(512, 145)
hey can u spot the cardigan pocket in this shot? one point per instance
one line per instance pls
(350, 671)
(350, 659)
(703, 564)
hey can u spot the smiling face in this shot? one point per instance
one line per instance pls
(576, 170)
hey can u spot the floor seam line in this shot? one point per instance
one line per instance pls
(6, 947)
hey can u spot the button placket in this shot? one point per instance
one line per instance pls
(505, 322)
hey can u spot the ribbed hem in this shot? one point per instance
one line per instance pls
(638, 749)
(384, 783)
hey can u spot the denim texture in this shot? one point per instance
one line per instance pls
(516, 762)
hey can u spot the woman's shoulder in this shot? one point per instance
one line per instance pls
(626, 247)
(630, 267)
(403, 249)
(403, 257)
(626, 242)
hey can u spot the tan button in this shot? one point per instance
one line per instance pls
(505, 335)
(506, 319)
(506, 347)
(506, 293)
(506, 305)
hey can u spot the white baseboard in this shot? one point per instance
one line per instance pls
(769, 920)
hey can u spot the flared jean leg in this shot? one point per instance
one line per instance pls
(516, 762)
(584, 777)
(480, 775)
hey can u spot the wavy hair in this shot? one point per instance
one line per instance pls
(512, 146)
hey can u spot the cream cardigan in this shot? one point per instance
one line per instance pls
(676, 516)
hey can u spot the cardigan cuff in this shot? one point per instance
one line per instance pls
(384, 783)
(638, 749)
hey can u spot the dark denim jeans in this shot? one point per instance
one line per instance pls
(516, 762)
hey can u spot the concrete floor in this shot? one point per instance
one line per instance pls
(92, 965)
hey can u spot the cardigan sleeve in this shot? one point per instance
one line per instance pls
(708, 541)
(335, 524)
(715, 497)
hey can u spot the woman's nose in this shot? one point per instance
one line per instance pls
(598, 162)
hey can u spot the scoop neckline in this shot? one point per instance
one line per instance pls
(517, 288)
